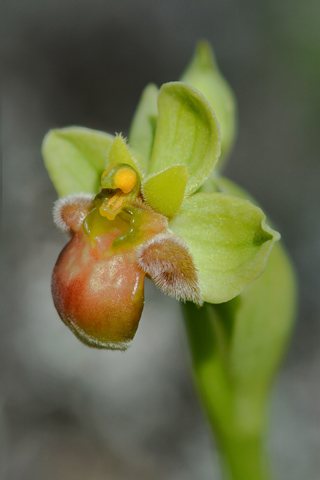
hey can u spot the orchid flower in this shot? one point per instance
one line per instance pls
(141, 209)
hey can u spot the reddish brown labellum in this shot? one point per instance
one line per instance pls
(97, 294)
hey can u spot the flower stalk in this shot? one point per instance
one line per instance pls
(238, 424)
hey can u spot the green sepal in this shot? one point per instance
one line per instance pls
(143, 125)
(187, 134)
(165, 191)
(203, 74)
(229, 240)
(75, 158)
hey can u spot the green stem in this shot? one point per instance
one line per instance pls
(243, 457)
(236, 415)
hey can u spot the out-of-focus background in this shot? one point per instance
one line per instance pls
(73, 413)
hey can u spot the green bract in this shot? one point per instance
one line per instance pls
(236, 349)
(175, 145)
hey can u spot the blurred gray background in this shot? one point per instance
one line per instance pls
(73, 413)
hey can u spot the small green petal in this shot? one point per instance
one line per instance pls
(75, 158)
(143, 125)
(187, 134)
(165, 191)
(203, 74)
(229, 240)
(120, 153)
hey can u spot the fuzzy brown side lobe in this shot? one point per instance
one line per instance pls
(166, 259)
(69, 212)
